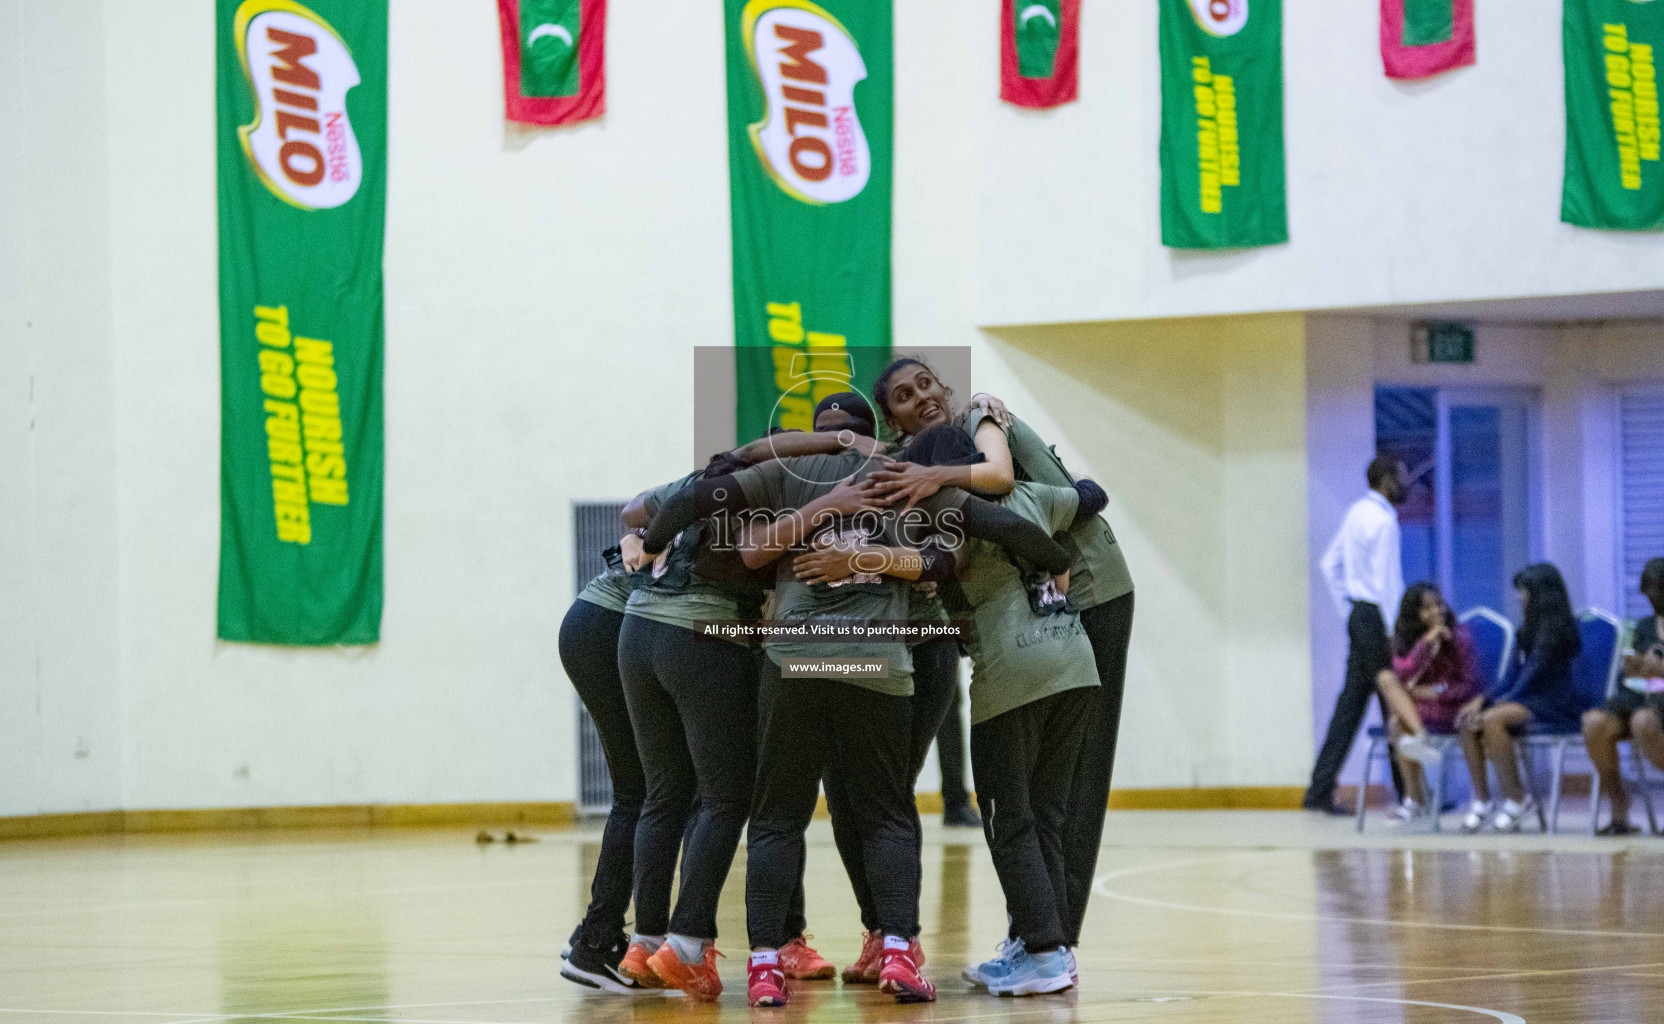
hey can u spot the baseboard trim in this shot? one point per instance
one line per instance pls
(1215, 798)
(229, 819)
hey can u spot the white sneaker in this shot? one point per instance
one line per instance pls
(1479, 812)
(1414, 747)
(1508, 819)
(1408, 811)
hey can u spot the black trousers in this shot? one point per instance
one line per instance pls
(935, 683)
(1109, 627)
(950, 751)
(589, 653)
(693, 708)
(1024, 763)
(810, 726)
(1368, 652)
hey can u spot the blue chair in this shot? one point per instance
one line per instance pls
(1594, 673)
(1493, 641)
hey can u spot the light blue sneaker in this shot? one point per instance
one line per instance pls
(1032, 974)
(1009, 950)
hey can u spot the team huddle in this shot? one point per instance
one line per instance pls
(968, 516)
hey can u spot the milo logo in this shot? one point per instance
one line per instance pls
(1220, 17)
(301, 142)
(810, 139)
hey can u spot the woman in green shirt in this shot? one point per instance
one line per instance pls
(912, 398)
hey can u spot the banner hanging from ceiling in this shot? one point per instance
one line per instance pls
(1613, 178)
(1422, 38)
(1222, 174)
(554, 60)
(810, 124)
(302, 147)
(1039, 52)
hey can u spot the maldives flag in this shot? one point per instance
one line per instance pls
(1039, 51)
(1421, 38)
(554, 60)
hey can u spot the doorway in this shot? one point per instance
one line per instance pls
(1472, 519)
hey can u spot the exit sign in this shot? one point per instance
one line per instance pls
(1441, 343)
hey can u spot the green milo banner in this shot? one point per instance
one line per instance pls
(302, 123)
(1222, 124)
(1613, 178)
(810, 124)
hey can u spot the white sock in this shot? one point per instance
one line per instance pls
(1481, 807)
(689, 951)
(652, 942)
(891, 942)
(771, 957)
(1511, 808)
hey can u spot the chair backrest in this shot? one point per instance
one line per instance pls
(1493, 641)
(1595, 669)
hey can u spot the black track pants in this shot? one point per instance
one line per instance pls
(589, 653)
(693, 708)
(865, 738)
(1024, 764)
(1109, 627)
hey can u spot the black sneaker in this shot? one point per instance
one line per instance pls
(577, 936)
(597, 967)
(961, 817)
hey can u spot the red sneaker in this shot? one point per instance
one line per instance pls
(864, 971)
(765, 985)
(636, 968)
(701, 981)
(800, 962)
(900, 977)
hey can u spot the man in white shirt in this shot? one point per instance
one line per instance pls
(1365, 576)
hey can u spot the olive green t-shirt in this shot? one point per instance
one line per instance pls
(611, 589)
(786, 484)
(690, 607)
(1018, 657)
(1099, 573)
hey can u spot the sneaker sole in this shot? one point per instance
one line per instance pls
(854, 978)
(643, 981)
(1036, 987)
(770, 1001)
(906, 993)
(596, 981)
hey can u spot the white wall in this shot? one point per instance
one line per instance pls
(1397, 193)
(59, 699)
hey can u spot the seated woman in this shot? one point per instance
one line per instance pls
(1636, 710)
(1536, 689)
(1432, 680)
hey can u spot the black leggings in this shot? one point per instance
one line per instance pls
(693, 706)
(1109, 627)
(935, 683)
(589, 653)
(1024, 764)
(865, 737)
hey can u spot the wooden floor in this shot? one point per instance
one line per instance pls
(427, 928)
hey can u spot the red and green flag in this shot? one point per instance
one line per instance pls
(554, 60)
(1039, 52)
(1613, 175)
(810, 125)
(302, 149)
(1422, 38)
(1222, 175)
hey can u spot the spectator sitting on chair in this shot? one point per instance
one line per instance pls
(1537, 688)
(1635, 712)
(1433, 679)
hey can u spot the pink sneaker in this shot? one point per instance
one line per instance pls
(799, 961)
(765, 985)
(864, 971)
(900, 977)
